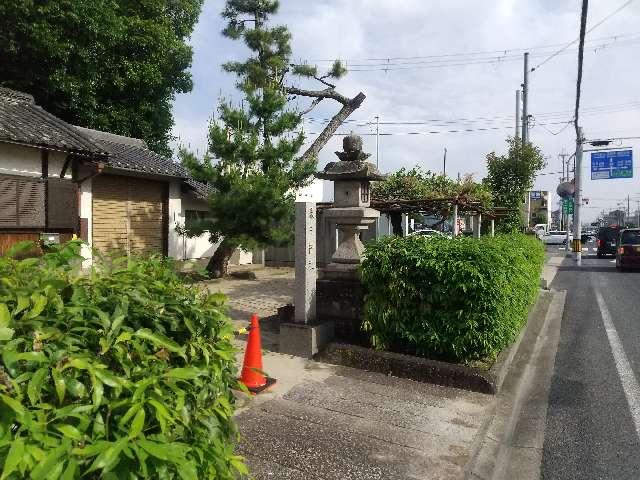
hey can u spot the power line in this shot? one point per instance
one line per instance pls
(546, 116)
(432, 132)
(461, 62)
(504, 51)
(553, 55)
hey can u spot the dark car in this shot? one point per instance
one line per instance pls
(607, 240)
(628, 255)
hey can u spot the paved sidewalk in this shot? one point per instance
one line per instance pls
(323, 422)
(272, 288)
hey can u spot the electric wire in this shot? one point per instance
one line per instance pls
(552, 56)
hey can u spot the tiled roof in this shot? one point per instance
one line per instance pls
(22, 121)
(201, 189)
(132, 154)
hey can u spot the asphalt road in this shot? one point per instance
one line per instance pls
(593, 418)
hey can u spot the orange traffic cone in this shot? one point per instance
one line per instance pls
(252, 375)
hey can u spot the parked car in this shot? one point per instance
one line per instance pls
(556, 237)
(628, 253)
(607, 240)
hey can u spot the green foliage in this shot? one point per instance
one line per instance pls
(510, 177)
(123, 373)
(416, 184)
(113, 65)
(457, 299)
(253, 163)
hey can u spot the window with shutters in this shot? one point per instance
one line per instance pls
(62, 204)
(21, 202)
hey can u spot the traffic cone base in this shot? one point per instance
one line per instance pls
(252, 375)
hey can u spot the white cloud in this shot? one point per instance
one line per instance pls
(361, 29)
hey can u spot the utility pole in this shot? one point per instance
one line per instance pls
(377, 140)
(518, 119)
(577, 226)
(377, 166)
(444, 162)
(565, 178)
(525, 101)
(628, 208)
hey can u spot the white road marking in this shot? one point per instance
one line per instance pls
(625, 372)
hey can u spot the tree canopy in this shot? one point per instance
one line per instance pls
(417, 184)
(511, 176)
(112, 65)
(253, 163)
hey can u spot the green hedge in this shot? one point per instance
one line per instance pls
(120, 374)
(456, 299)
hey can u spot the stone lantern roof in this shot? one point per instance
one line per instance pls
(352, 164)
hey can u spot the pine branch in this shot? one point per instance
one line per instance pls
(322, 80)
(349, 106)
(326, 93)
(311, 107)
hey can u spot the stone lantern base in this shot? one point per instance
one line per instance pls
(340, 300)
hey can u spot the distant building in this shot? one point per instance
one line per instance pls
(537, 208)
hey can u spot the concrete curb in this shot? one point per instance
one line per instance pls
(510, 442)
(432, 371)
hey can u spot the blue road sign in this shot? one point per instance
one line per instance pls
(610, 165)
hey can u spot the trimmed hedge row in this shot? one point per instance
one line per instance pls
(455, 299)
(125, 373)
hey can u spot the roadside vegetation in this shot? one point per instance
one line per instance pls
(454, 299)
(122, 373)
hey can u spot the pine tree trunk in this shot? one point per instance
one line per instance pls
(218, 265)
(396, 223)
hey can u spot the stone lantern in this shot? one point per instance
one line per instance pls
(350, 212)
(339, 291)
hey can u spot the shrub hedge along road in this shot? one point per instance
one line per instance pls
(123, 374)
(457, 299)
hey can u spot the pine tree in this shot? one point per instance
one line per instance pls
(253, 164)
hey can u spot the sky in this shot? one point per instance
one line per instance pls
(417, 62)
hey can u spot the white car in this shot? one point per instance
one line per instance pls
(556, 237)
(428, 232)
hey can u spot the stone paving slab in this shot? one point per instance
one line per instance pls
(272, 288)
(336, 423)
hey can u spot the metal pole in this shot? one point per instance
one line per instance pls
(525, 101)
(377, 141)
(518, 119)
(444, 162)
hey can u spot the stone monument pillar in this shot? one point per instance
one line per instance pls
(305, 255)
(339, 293)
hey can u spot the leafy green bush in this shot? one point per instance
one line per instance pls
(120, 374)
(454, 299)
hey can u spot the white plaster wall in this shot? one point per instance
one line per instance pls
(20, 160)
(176, 218)
(182, 247)
(86, 211)
(27, 161)
(56, 163)
(317, 191)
